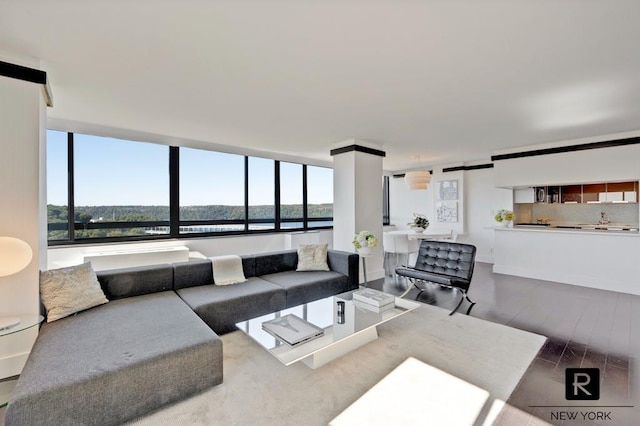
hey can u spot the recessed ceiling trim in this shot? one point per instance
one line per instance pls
(402, 175)
(465, 168)
(570, 148)
(357, 148)
(30, 75)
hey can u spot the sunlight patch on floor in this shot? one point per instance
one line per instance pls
(415, 393)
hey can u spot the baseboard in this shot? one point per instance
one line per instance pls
(565, 278)
(484, 259)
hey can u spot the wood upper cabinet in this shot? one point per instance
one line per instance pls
(600, 192)
(591, 192)
(571, 193)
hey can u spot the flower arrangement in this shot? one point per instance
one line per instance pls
(419, 221)
(364, 239)
(506, 215)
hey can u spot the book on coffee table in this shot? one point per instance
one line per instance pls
(371, 308)
(292, 330)
(374, 297)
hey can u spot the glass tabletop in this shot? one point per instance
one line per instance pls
(338, 317)
(26, 321)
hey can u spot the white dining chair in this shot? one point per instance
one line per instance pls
(398, 244)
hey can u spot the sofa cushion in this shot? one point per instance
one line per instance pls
(270, 263)
(136, 281)
(221, 307)
(200, 272)
(306, 286)
(116, 362)
(66, 291)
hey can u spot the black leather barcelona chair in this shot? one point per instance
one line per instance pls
(448, 264)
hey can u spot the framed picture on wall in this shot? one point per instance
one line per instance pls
(447, 211)
(447, 201)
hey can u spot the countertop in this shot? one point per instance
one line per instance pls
(594, 229)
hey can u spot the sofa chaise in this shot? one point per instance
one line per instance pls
(156, 341)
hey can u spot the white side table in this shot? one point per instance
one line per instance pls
(26, 322)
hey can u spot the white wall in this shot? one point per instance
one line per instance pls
(620, 163)
(22, 114)
(403, 203)
(61, 256)
(482, 200)
(479, 199)
(357, 204)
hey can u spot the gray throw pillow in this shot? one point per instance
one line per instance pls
(66, 291)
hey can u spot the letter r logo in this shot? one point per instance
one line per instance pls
(582, 384)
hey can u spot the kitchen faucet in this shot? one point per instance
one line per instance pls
(603, 219)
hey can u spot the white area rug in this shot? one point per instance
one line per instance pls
(259, 390)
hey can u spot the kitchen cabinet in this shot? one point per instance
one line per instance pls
(524, 195)
(571, 193)
(613, 192)
(547, 194)
(606, 192)
(591, 193)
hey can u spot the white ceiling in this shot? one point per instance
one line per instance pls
(445, 81)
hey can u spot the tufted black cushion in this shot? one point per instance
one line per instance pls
(443, 263)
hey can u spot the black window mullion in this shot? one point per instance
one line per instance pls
(246, 193)
(305, 207)
(71, 209)
(276, 201)
(174, 191)
(386, 212)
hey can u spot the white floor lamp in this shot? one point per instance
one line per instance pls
(15, 255)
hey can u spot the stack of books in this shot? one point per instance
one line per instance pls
(374, 300)
(292, 330)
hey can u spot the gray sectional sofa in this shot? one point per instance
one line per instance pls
(156, 341)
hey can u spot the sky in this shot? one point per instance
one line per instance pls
(115, 172)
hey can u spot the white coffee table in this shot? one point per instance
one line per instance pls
(355, 328)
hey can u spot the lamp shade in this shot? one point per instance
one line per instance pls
(15, 255)
(417, 179)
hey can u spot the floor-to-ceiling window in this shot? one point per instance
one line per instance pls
(107, 189)
(211, 191)
(261, 187)
(291, 195)
(120, 186)
(57, 186)
(319, 196)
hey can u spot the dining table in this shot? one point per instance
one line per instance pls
(412, 235)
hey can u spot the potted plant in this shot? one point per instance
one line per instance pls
(504, 217)
(364, 241)
(419, 223)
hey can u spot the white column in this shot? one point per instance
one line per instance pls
(357, 199)
(22, 208)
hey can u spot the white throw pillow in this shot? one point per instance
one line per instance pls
(227, 270)
(312, 257)
(66, 291)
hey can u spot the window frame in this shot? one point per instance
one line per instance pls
(174, 223)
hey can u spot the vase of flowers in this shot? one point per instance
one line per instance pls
(419, 223)
(504, 217)
(364, 242)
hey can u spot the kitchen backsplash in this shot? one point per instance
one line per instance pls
(577, 213)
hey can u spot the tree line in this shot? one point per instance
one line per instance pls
(88, 214)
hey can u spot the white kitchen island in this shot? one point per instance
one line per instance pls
(608, 260)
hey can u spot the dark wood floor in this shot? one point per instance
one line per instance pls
(585, 328)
